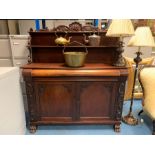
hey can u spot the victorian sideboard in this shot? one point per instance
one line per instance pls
(57, 94)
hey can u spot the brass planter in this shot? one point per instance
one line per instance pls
(75, 58)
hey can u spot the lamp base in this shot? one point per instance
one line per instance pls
(120, 62)
(129, 119)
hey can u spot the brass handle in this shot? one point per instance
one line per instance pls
(58, 31)
(79, 46)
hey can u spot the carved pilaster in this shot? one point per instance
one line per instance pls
(120, 101)
(30, 95)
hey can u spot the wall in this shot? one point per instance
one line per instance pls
(13, 26)
(25, 25)
(4, 27)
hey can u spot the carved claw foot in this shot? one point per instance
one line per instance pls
(117, 127)
(33, 128)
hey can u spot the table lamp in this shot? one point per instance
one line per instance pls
(142, 38)
(120, 28)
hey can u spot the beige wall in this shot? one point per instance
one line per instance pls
(13, 27)
(25, 25)
(4, 27)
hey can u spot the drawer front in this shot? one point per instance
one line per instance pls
(19, 48)
(6, 63)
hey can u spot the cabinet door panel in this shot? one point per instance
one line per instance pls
(55, 99)
(97, 99)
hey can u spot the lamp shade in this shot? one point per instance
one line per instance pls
(120, 27)
(142, 37)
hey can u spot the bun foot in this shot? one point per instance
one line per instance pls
(33, 128)
(117, 127)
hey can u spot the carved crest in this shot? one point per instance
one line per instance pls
(75, 26)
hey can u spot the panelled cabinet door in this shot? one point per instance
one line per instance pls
(97, 100)
(55, 100)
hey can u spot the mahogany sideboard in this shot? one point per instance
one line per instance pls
(57, 94)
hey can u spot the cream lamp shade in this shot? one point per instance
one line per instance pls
(143, 37)
(120, 28)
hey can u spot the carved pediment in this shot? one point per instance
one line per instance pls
(75, 26)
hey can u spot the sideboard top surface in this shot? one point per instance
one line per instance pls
(59, 69)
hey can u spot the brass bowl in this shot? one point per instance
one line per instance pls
(75, 59)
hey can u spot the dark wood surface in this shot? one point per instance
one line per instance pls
(57, 94)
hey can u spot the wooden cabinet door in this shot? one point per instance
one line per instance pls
(97, 101)
(55, 100)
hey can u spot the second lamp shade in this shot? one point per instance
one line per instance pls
(142, 37)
